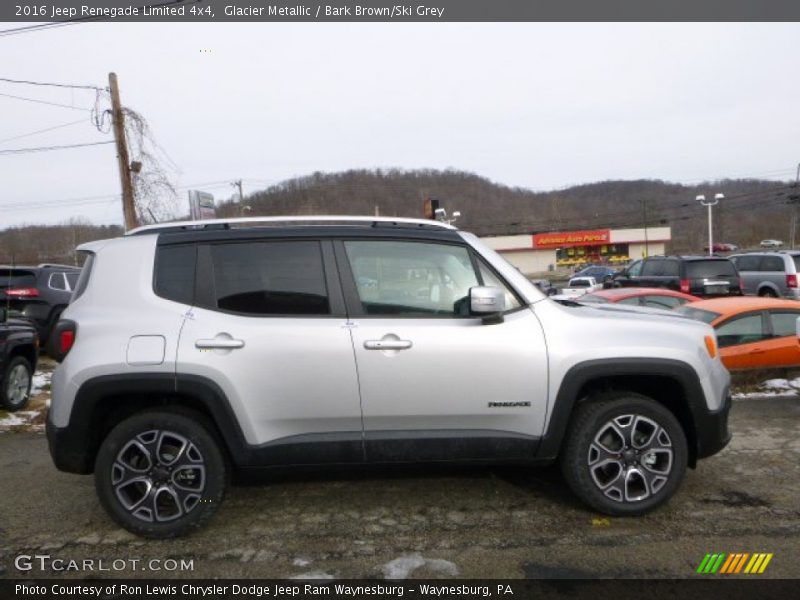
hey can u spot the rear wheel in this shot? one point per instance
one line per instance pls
(160, 474)
(15, 390)
(625, 454)
(767, 293)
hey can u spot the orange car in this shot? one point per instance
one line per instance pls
(753, 333)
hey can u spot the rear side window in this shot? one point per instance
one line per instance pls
(666, 302)
(709, 269)
(706, 316)
(784, 323)
(670, 268)
(746, 263)
(772, 263)
(741, 330)
(270, 278)
(174, 277)
(57, 281)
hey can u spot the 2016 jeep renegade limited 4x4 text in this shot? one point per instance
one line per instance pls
(190, 351)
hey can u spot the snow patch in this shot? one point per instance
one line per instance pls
(312, 575)
(301, 562)
(40, 380)
(404, 566)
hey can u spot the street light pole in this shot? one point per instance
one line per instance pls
(710, 203)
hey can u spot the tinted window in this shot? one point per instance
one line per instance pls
(57, 281)
(174, 279)
(747, 263)
(14, 278)
(72, 279)
(741, 330)
(591, 298)
(635, 269)
(670, 268)
(772, 263)
(409, 278)
(270, 278)
(578, 283)
(796, 258)
(783, 323)
(652, 267)
(490, 279)
(708, 269)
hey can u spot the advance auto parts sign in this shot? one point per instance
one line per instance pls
(571, 238)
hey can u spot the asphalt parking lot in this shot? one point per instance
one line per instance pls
(443, 523)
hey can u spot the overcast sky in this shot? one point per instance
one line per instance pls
(533, 105)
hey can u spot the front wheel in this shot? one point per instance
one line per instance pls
(160, 474)
(625, 454)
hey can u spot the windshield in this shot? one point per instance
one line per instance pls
(706, 316)
(703, 269)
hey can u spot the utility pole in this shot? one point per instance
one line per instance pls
(644, 215)
(238, 184)
(128, 206)
(794, 198)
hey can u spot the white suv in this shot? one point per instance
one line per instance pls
(191, 350)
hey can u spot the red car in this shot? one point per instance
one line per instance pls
(650, 297)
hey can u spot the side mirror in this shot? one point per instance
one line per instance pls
(487, 302)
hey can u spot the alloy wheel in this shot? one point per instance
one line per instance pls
(19, 381)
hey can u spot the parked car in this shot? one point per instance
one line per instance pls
(19, 350)
(771, 243)
(39, 294)
(578, 286)
(545, 285)
(191, 349)
(702, 276)
(771, 274)
(752, 333)
(652, 297)
(723, 247)
(599, 272)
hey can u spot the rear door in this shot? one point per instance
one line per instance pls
(745, 341)
(437, 383)
(268, 327)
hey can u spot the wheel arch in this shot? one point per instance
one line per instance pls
(671, 383)
(103, 402)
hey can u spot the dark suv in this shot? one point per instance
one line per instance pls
(38, 294)
(705, 276)
(19, 348)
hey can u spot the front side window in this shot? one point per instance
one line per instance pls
(635, 269)
(747, 263)
(492, 280)
(269, 278)
(412, 278)
(741, 330)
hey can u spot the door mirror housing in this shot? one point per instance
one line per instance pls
(487, 302)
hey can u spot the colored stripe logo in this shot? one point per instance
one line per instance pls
(739, 562)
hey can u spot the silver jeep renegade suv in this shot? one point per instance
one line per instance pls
(193, 350)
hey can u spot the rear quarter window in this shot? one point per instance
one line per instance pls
(773, 264)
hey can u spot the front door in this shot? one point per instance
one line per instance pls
(437, 383)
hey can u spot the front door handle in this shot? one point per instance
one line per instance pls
(219, 343)
(388, 344)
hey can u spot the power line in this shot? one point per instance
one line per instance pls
(45, 102)
(49, 148)
(59, 85)
(17, 137)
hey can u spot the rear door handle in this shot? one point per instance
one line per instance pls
(217, 343)
(388, 344)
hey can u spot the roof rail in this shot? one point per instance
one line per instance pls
(309, 220)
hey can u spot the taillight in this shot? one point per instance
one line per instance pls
(62, 339)
(22, 292)
(685, 286)
(66, 340)
(791, 281)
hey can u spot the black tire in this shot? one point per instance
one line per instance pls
(654, 474)
(15, 388)
(175, 509)
(767, 293)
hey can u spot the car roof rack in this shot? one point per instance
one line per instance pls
(212, 224)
